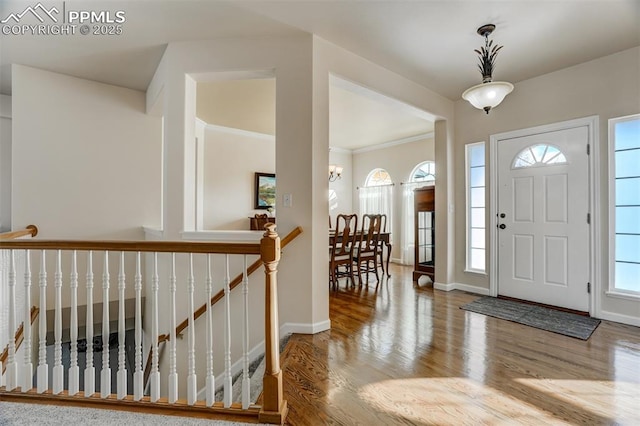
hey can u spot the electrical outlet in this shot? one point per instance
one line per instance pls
(287, 200)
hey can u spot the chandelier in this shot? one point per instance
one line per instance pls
(489, 93)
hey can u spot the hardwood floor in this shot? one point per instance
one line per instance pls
(406, 355)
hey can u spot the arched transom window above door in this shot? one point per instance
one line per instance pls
(539, 155)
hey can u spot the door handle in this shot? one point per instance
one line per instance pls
(502, 226)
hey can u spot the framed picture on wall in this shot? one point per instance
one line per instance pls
(265, 190)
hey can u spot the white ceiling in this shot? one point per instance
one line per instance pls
(430, 42)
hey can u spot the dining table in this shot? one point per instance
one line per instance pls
(385, 237)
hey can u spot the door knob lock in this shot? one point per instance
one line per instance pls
(502, 226)
(502, 215)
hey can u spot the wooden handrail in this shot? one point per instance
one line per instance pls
(29, 230)
(142, 246)
(19, 337)
(233, 284)
(217, 297)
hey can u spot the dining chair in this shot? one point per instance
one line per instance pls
(341, 248)
(366, 251)
(261, 220)
(383, 229)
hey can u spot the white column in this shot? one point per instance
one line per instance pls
(90, 370)
(105, 373)
(27, 369)
(43, 368)
(155, 374)
(138, 376)
(74, 370)
(122, 370)
(58, 369)
(12, 365)
(173, 375)
(211, 380)
(192, 391)
(228, 385)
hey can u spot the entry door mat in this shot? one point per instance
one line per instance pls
(565, 323)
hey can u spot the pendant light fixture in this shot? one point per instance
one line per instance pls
(489, 93)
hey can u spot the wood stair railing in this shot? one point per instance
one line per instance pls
(18, 386)
(19, 337)
(32, 231)
(215, 299)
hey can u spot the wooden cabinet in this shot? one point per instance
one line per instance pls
(425, 238)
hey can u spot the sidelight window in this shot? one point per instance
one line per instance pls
(624, 196)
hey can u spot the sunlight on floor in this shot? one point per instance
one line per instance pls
(606, 399)
(443, 400)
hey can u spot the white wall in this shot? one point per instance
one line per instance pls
(343, 187)
(86, 165)
(230, 160)
(399, 161)
(608, 87)
(5, 163)
(86, 157)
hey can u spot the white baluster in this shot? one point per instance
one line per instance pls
(246, 388)
(138, 376)
(58, 369)
(90, 370)
(43, 368)
(12, 365)
(105, 374)
(211, 380)
(122, 371)
(74, 370)
(155, 374)
(27, 369)
(192, 391)
(173, 375)
(228, 385)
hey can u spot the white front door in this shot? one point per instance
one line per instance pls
(543, 203)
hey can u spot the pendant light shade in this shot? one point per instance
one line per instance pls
(489, 93)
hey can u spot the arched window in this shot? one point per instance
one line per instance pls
(539, 155)
(377, 195)
(422, 175)
(424, 172)
(378, 177)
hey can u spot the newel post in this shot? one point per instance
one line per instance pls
(274, 407)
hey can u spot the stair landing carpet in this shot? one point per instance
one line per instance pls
(565, 323)
(20, 414)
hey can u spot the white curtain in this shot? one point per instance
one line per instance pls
(377, 200)
(408, 221)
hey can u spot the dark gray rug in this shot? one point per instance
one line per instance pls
(565, 323)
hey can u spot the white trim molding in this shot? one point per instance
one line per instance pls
(396, 142)
(615, 317)
(223, 236)
(462, 287)
(304, 328)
